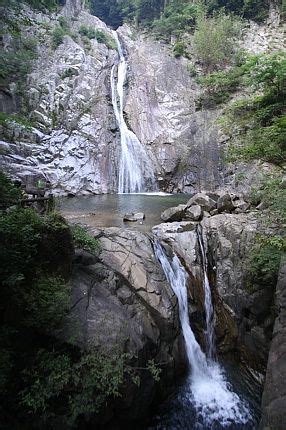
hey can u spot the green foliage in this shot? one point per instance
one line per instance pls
(84, 240)
(17, 62)
(43, 5)
(9, 194)
(264, 260)
(5, 119)
(48, 302)
(273, 195)
(249, 9)
(89, 32)
(99, 35)
(258, 124)
(60, 31)
(180, 49)
(214, 40)
(178, 17)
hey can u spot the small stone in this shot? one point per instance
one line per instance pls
(132, 217)
(213, 212)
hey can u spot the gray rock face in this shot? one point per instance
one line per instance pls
(274, 395)
(73, 143)
(160, 106)
(122, 296)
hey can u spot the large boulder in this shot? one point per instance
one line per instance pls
(121, 297)
(176, 213)
(203, 200)
(194, 213)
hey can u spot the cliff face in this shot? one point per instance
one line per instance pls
(74, 140)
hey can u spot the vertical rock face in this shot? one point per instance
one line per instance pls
(122, 298)
(160, 106)
(244, 316)
(274, 395)
(73, 138)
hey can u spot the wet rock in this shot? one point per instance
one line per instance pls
(176, 213)
(138, 216)
(203, 200)
(193, 213)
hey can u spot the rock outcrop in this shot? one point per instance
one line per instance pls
(274, 395)
(122, 295)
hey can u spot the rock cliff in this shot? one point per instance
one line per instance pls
(74, 140)
(122, 295)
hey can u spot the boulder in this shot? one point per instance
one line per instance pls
(203, 200)
(176, 213)
(138, 216)
(241, 204)
(225, 203)
(194, 213)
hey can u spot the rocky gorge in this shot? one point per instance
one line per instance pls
(120, 295)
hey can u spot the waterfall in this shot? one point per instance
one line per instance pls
(209, 333)
(134, 163)
(209, 392)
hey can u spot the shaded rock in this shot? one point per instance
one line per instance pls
(203, 200)
(225, 204)
(241, 204)
(176, 213)
(121, 297)
(138, 216)
(193, 213)
(274, 395)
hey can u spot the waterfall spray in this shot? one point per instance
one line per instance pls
(209, 391)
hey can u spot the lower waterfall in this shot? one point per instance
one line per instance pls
(208, 390)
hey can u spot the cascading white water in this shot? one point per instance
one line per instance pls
(134, 162)
(209, 333)
(209, 391)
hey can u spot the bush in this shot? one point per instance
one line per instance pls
(17, 63)
(83, 240)
(9, 194)
(264, 260)
(214, 40)
(180, 49)
(89, 32)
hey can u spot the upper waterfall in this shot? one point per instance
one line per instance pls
(134, 164)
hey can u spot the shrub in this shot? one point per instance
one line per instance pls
(9, 194)
(214, 40)
(84, 240)
(89, 32)
(180, 49)
(58, 36)
(17, 63)
(264, 260)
